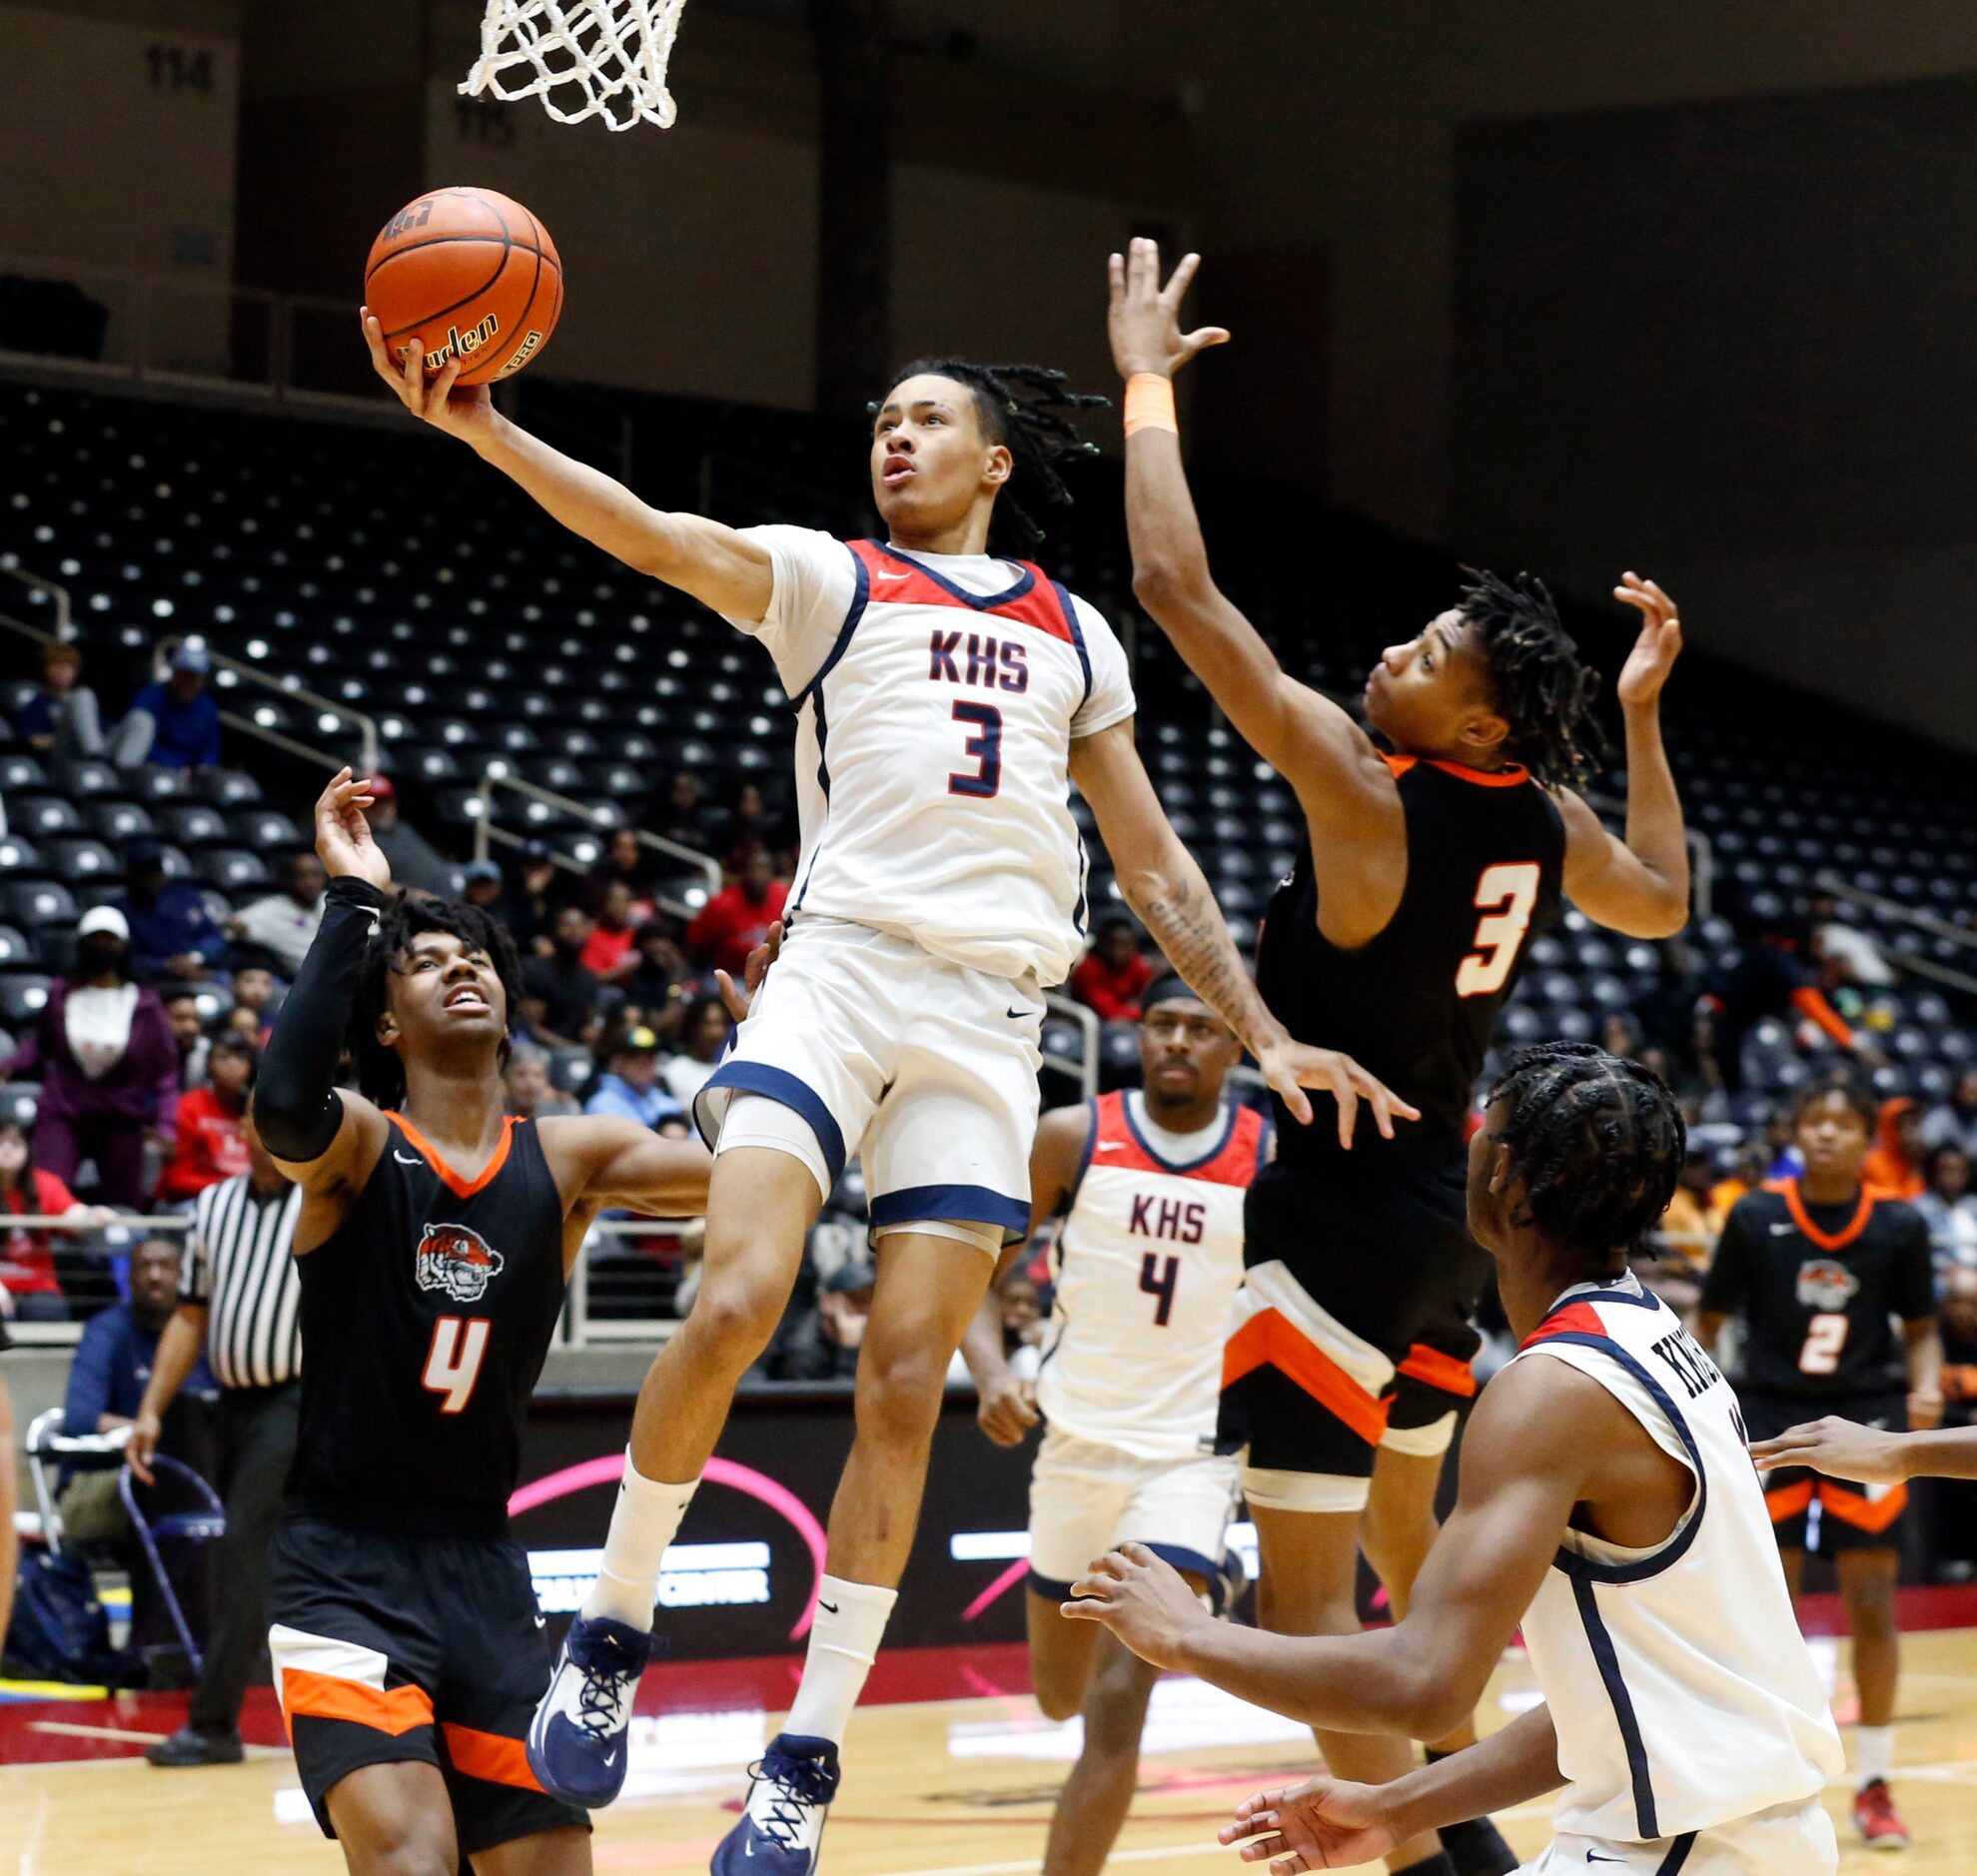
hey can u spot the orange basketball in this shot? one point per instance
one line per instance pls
(472, 274)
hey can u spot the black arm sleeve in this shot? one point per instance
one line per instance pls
(295, 1095)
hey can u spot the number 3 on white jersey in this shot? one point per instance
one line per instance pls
(453, 1362)
(1513, 887)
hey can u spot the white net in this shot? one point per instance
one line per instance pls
(582, 58)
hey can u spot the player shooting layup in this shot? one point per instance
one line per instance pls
(1608, 1505)
(945, 700)
(1400, 933)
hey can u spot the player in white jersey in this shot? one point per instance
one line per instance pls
(946, 700)
(1150, 1185)
(1608, 1504)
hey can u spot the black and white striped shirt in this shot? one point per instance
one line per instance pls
(239, 1264)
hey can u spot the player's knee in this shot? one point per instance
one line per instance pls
(1116, 1709)
(1300, 1610)
(900, 1390)
(732, 1320)
(414, 1852)
(1058, 1696)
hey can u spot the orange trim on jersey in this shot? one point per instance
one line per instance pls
(459, 1188)
(1810, 1002)
(1788, 1188)
(492, 1756)
(1859, 1510)
(1512, 775)
(1440, 1370)
(1788, 1500)
(1268, 1339)
(393, 1710)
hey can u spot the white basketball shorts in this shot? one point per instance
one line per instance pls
(924, 1069)
(1086, 1497)
(1787, 1840)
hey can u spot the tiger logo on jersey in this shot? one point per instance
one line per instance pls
(458, 1261)
(1827, 1285)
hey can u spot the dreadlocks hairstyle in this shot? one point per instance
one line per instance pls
(1029, 410)
(1850, 1089)
(1599, 1143)
(380, 1072)
(1544, 690)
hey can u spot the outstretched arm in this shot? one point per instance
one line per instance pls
(1165, 887)
(602, 1160)
(1303, 735)
(1846, 1450)
(1328, 1823)
(1526, 1462)
(1639, 885)
(715, 564)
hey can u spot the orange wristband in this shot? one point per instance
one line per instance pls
(1149, 403)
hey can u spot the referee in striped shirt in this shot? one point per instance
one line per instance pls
(237, 1298)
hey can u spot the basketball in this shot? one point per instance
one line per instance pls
(472, 274)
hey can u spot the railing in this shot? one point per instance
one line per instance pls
(1085, 1069)
(329, 715)
(64, 619)
(1919, 921)
(497, 776)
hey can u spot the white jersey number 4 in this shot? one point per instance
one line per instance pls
(453, 1362)
(1506, 894)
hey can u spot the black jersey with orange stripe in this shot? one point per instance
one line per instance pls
(1818, 1286)
(1416, 1004)
(426, 1318)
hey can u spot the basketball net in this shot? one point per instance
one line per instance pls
(582, 58)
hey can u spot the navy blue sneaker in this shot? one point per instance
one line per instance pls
(576, 1741)
(782, 1823)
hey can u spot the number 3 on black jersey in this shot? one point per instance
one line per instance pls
(453, 1361)
(1505, 894)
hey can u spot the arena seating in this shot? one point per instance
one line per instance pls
(382, 569)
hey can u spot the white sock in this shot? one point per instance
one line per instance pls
(1873, 1753)
(851, 1619)
(644, 1521)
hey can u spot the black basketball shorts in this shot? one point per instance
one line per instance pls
(1851, 1516)
(1351, 1325)
(390, 1647)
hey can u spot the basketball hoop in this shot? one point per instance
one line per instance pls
(582, 58)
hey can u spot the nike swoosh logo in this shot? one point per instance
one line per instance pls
(1112, 1146)
(1017, 1016)
(1777, 1230)
(879, 576)
(1594, 1856)
(407, 1159)
(610, 1758)
(831, 1606)
(542, 1621)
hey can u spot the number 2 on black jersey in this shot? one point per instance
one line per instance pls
(1505, 894)
(453, 1361)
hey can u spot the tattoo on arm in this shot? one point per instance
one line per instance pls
(1188, 927)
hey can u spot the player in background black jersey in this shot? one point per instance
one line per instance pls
(1817, 1269)
(1401, 928)
(434, 1239)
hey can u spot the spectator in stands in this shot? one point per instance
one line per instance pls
(176, 723)
(480, 886)
(59, 721)
(1112, 976)
(1856, 958)
(611, 953)
(531, 911)
(737, 918)
(1746, 1174)
(1773, 976)
(1894, 1162)
(188, 1022)
(683, 815)
(107, 1064)
(1951, 1211)
(1691, 1224)
(630, 1086)
(654, 987)
(703, 1032)
(1620, 1035)
(822, 1344)
(1022, 1322)
(211, 1141)
(530, 1094)
(27, 1261)
(1954, 1124)
(562, 991)
(173, 936)
(752, 824)
(283, 924)
(414, 862)
(254, 991)
(107, 1380)
(623, 859)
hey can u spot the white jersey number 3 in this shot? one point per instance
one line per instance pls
(1505, 894)
(453, 1362)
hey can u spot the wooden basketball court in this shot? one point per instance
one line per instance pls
(936, 1787)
